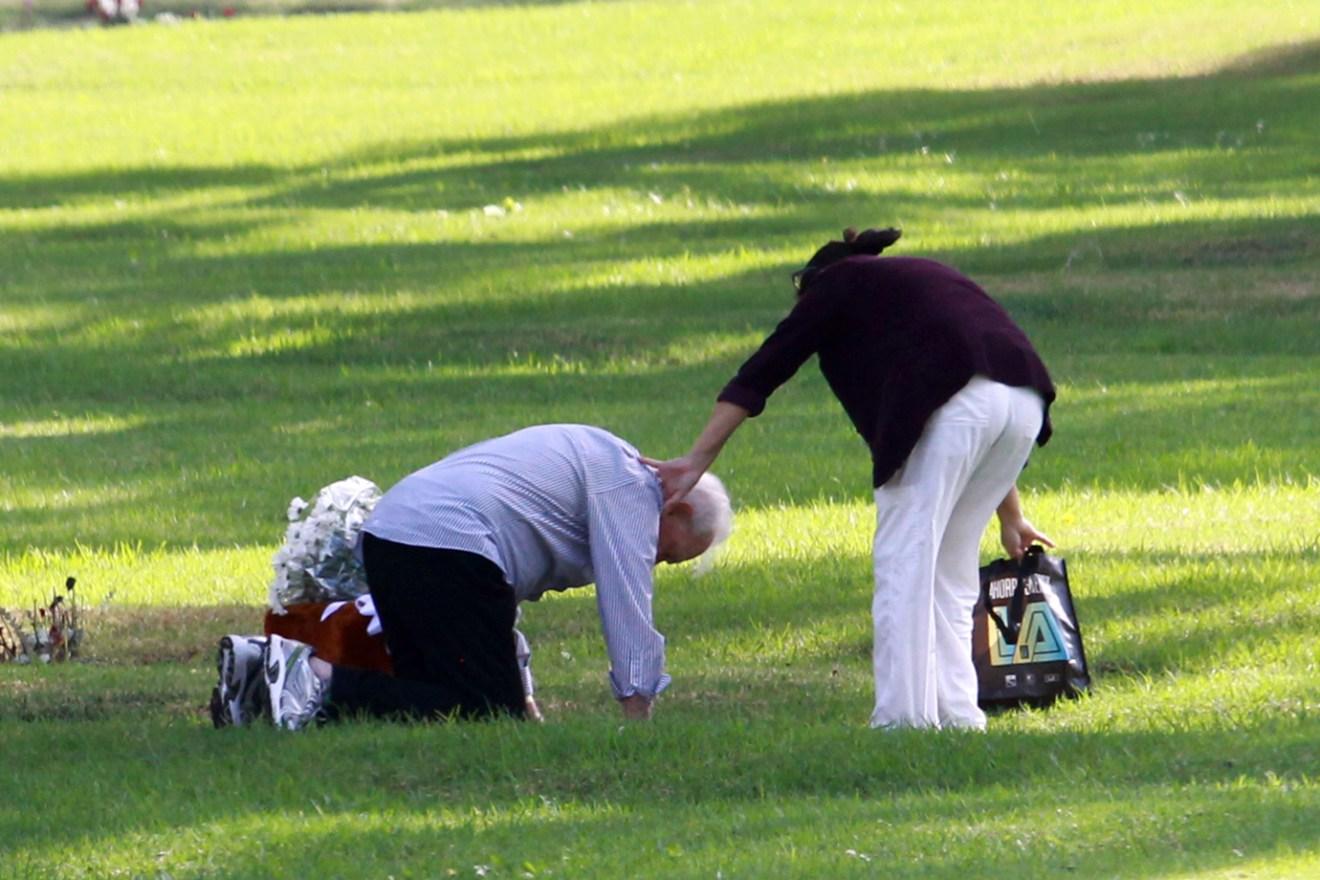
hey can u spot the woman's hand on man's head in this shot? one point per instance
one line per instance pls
(677, 477)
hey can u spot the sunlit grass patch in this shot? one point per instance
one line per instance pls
(68, 426)
(133, 575)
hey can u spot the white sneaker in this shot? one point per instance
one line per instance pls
(240, 694)
(297, 694)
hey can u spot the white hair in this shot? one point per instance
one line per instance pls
(712, 515)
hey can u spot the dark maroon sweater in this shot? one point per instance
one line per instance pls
(897, 337)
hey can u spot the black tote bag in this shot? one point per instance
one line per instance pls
(1026, 640)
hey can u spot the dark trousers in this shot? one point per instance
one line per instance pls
(447, 617)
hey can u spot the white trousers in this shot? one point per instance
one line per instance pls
(929, 520)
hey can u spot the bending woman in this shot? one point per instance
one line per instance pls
(949, 395)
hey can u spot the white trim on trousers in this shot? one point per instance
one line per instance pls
(929, 520)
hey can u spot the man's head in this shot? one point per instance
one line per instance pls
(697, 524)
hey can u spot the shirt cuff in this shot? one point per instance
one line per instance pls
(623, 691)
(741, 395)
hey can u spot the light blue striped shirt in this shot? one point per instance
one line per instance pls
(554, 506)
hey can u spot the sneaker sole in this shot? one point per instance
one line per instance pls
(278, 666)
(233, 690)
(219, 713)
(276, 672)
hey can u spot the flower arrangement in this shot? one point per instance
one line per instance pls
(317, 562)
(53, 633)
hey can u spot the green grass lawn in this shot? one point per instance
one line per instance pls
(241, 259)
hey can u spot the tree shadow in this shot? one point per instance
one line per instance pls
(152, 314)
(460, 793)
(346, 401)
(1183, 613)
(733, 152)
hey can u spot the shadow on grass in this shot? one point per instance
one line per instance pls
(1165, 613)
(783, 632)
(338, 344)
(1096, 799)
(743, 746)
(1192, 613)
(1188, 128)
(333, 412)
(1086, 145)
(348, 402)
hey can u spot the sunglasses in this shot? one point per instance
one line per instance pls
(801, 277)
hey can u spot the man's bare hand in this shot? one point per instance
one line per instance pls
(636, 708)
(533, 710)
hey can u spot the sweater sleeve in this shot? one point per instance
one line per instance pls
(792, 343)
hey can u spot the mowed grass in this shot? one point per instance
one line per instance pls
(241, 259)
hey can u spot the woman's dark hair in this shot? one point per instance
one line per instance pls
(869, 242)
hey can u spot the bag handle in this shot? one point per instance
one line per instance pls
(1027, 569)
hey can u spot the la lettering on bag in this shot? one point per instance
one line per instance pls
(1026, 641)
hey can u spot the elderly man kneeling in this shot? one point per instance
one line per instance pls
(452, 549)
